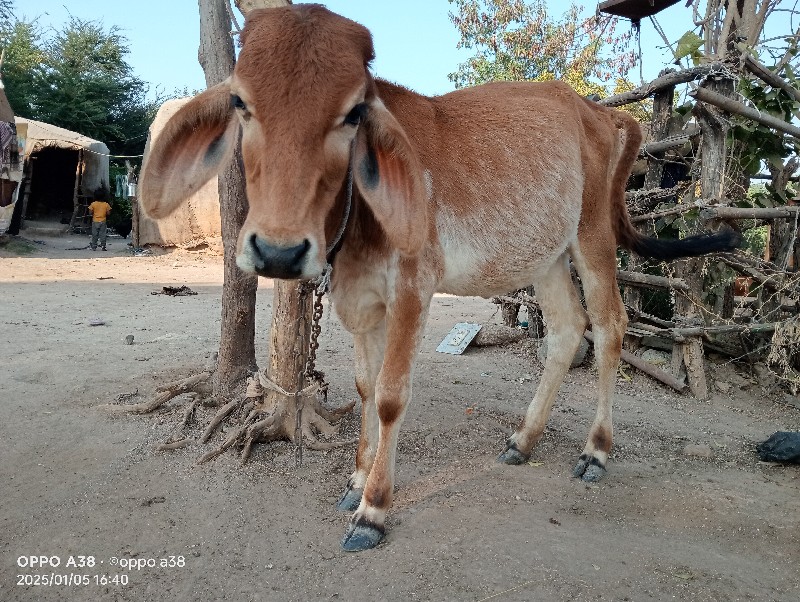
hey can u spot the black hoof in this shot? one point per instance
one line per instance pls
(589, 469)
(350, 500)
(362, 535)
(512, 455)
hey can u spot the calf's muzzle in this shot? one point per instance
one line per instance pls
(277, 261)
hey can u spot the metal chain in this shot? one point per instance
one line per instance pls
(299, 401)
(318, 288)
(311, 372)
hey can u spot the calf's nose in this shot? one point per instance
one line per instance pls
(278, 262)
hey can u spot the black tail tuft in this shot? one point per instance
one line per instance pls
(725, 240)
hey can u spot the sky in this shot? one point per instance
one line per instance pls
(415, 42)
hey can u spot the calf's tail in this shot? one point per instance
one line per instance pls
(628, 237)
(691, 246)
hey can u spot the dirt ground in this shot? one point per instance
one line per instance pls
(686, 511)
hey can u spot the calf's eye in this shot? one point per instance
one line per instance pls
(356, 115)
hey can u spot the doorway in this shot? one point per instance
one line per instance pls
(52, 184)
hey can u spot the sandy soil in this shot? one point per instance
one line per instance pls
(686, 512)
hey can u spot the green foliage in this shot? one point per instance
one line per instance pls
(755, 240)
(689, 45)
(6, 11)
(23, 56)
(78, 79)
(759, 142)
(516, 40)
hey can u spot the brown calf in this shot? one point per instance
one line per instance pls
(476, 192)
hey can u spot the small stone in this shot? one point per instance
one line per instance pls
(739, 381)
(700, 451)
(792, 400)
(722, 386)
(580, 355)
(129, 339)
(762, 372)
(656, 357)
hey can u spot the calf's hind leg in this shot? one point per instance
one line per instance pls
(597, 265)
(566, 321)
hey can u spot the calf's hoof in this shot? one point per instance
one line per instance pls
(362, 535)
(589, 469)
(512, 455)
(350, 499)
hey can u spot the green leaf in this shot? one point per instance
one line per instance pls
(688, 45)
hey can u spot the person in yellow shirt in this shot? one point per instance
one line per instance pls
(99, 210)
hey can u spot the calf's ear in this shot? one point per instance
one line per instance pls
(389, 177)
(195, 144)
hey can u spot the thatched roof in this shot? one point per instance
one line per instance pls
(39, 135)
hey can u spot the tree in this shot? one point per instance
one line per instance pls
(77, 79)
(6, 11)
(87, 86)
(23, 55)
(516, 40)
(237, 353)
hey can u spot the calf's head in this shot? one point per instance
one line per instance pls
(306, 106)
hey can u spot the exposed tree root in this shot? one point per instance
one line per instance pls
(217, 420)
(264, 424)
(174, 445)
(199, 385)
(255, 417)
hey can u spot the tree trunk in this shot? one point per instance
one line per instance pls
(237, 335)
(289, 338)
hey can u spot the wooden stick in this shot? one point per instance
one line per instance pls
(654, 148)
(737, 108)
(640, 315)
(680, 334)
(645, 327)
(650, 281)
(635, 196)
(649, 369)
(659, 83)
(722, 212)
(683, 208)
(773, 281)
(704, 330)
(518, 299)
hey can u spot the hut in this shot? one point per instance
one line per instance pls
(61, 168)
(195, 223)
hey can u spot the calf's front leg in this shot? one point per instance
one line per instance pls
(405, 321)
(369, 350)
